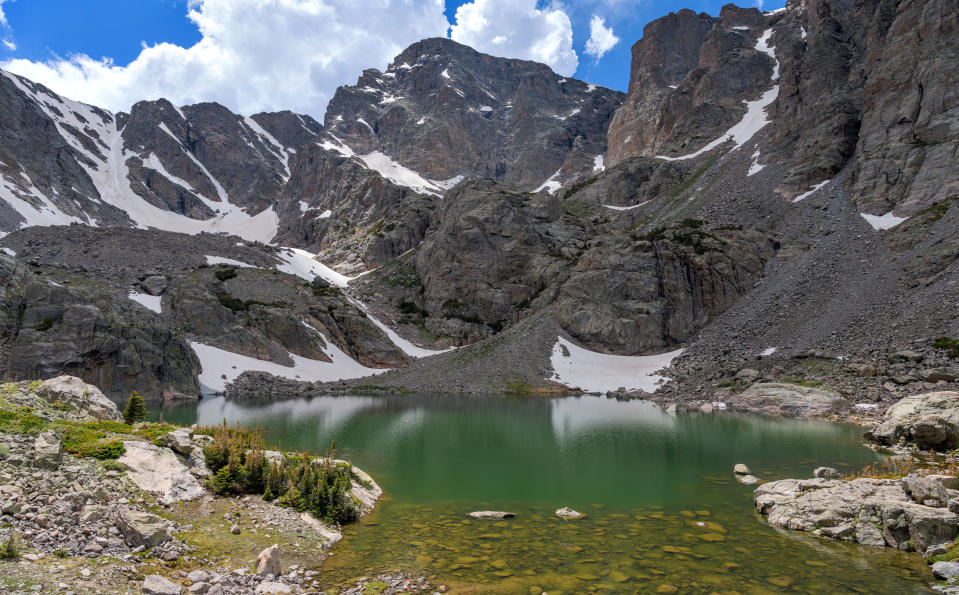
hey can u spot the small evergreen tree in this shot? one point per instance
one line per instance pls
(135, 410)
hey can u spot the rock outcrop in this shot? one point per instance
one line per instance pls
(876, 512)
(930, 420)
(158, 470)
(789, 400)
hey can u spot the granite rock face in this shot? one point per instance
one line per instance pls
(875, 512)
(930, 420)
(446, 110)
(90, 332)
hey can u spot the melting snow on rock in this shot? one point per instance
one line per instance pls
(591, 371)
(881, 222)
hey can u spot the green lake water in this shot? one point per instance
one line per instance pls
(665, 513)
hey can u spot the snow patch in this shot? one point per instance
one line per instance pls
(304, 207)
(220, 367)
(590, 88)
(881, 222)
(302, 264)
(446, 74)
(741, 28)
(325, 214)
(551, 184)
(755, 167)
(599, 372)
(755, 118)
(229, 261)
(866, 406)
(150, 302)
(8, 251)
(599, 163)
(485, 108)
(405, 346)
(810, 192)
(616, 208)
(768, 351)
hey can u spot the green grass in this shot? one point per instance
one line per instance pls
(950, 555)
(803, 382)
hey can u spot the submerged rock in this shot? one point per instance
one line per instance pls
(931, 420)
(741, 469)
(867, 511)
(491, 514)
(569, 514)
(749, 480)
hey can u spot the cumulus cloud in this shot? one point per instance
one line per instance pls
(601, 38)
(253, 55)
(517, 29)
(3, 17)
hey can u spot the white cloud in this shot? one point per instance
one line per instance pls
(254, 55)
(9, 44)
(601, 38)
(517, 29)
(3, 17)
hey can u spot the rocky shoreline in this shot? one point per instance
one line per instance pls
(909, 503)
(91, 521)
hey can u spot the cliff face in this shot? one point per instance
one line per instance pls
(865, 85)
(445, 110)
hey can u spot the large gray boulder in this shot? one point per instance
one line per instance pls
(931, 420)
(47, 451)
(158, 470)
(142, 528)
(155, 584)
(268, 562)
(866, 511)
(774, 398)
(84, 398)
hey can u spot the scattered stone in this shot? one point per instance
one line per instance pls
(235, 529)
(931, 420)
(569, 514)
(272, 588)
(268, 562)
(826, 473)
(945, 570)
(47, 450)
(491, 514)
(906, 356)
(749, 480)
(927, 491)
(741, 469)
(158, 585)
(142, 528)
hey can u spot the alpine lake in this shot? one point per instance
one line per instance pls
(665, 513)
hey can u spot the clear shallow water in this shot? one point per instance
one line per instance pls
(663, 507)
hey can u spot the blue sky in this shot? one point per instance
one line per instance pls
(50, 35)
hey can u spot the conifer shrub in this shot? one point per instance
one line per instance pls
(135, 410)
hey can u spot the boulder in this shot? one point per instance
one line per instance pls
(741, 469)
(155, 584)
(863, 370)
(268, 562)
(142, 528)
(945, 570)
(84, 398)
(271, 587)
(826, 473)
(774, 398)
(748, 375)
(926, 490)
(866, 511)
(154, 284)
(180, 441)
(931, 420)
(939, 375)
(158, 470)
(749, 480)
(491, 514)
(47, 450)
(569, 514)
(198, 576)
(905, 356)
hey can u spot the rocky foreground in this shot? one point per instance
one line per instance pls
(80, 514)
(909, 503)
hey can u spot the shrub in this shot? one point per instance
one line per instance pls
(300, 481)
(135, 410)
(225, 274)
(10, 549)
(950, 345)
